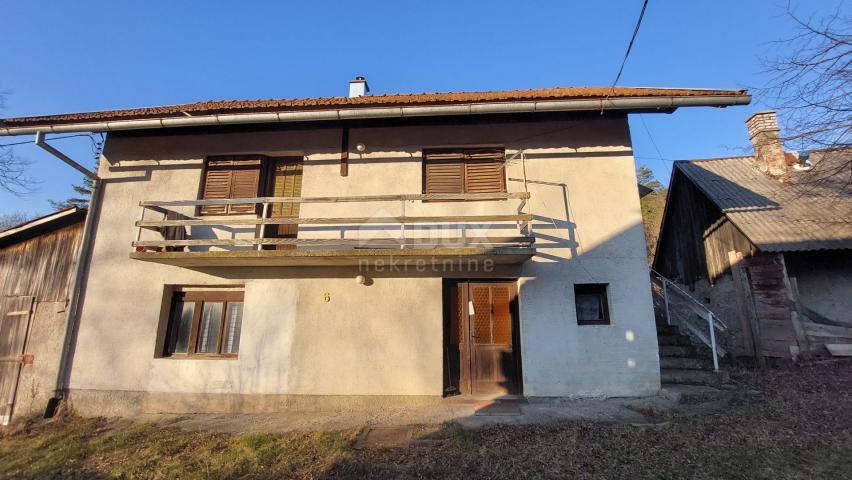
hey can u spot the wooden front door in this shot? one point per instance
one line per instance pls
(485, 316)
(284, 180)
(14, 325)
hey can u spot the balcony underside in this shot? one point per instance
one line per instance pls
(341, 257)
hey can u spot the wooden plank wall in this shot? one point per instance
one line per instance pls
(720, 238)
(41, 267)
(697, 236)
(772, 305)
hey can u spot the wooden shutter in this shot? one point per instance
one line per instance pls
(231, 177)
(217, 184)
(464, 171)
(245, 183)
(444, 173)
(485, 172)
(286, 182)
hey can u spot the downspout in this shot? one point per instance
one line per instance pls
(80, 270)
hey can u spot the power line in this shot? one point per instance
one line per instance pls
(651, 137)
(630, 45)
(54, 138)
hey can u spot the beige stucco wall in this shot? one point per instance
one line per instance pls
(384, 338)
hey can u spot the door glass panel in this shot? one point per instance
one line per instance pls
(502, 315)
(208, 333)
(233, 325)
(481, 318)
(181, 327)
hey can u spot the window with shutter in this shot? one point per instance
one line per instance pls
(204, 323)
(231, 177)
(464, 171)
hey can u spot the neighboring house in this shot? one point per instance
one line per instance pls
(252, 255)
(767, 241)
(37, 261)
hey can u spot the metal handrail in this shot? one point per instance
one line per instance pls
(713, 321)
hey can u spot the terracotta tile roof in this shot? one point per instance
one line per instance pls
(369, 101)
(810, 210)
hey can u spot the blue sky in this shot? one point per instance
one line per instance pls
(82, 56)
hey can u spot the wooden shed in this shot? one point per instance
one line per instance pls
(771, 256)
(37, 263)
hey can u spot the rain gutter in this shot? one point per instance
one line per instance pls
(636, 103)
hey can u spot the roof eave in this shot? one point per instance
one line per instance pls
(656, 103)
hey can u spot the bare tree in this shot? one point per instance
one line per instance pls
(13, 169)
(9, 220)
(811, 87)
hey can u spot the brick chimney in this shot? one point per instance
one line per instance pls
(765, 137)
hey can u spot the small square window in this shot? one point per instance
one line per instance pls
(592, 304)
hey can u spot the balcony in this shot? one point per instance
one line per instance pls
(381, 230)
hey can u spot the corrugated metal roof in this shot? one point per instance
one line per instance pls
(806, 211)
(368, 101)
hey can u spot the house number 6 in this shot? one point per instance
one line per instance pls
(326, 297)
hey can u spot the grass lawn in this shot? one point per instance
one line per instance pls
(799, 425)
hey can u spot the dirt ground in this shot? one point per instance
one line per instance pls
(779, 424)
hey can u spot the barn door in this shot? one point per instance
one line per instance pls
(487, 332)
(14, 324)
(285, 180)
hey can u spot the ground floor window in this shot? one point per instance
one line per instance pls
(204, 323)
(591, 303)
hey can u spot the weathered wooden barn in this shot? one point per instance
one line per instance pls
(37, 263)
(767, 242)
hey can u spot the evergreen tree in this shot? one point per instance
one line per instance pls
(84, 190)
(653, 205)
(646, 178)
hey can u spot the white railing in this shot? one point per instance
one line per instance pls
(713, 324)
(168, 221)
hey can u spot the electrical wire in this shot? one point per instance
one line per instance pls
(626, 55)
(630, 45)
(54, 138)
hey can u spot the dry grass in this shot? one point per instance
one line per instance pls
(798, 426)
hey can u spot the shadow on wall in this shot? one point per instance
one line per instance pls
(695, 230)
(549, 278)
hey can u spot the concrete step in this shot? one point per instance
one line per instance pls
(693, 377)
(673, 340)
(678, 351)
(686, 363)
(693, 394)
(667, 330)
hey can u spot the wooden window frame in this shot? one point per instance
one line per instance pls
(601, 289)
(199, 210)
(466, 154)
(199, 298)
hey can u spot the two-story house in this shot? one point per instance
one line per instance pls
(252, 255)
